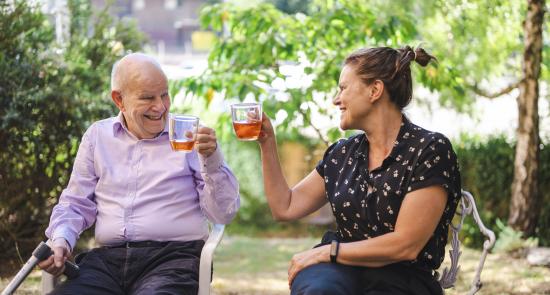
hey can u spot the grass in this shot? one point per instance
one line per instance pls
(245, 266)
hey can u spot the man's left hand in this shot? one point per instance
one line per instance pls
(307, 258)
(206, 143)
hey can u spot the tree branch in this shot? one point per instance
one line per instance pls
(503, 91)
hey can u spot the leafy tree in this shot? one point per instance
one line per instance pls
(526, 199)
(257, 43)
(485, 43)
(49, 94)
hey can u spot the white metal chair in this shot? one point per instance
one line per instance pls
(448, 277)
(205, 271)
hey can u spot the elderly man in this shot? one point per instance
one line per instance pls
(149, 204)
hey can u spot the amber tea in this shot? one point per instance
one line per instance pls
(248, 130)
(183, 132)
(183, 146)
(247, 120)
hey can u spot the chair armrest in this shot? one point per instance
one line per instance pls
(205, 271)
(449, 275)
(487, 244)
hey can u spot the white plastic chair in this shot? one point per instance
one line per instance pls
(205, 271)
(449, 275)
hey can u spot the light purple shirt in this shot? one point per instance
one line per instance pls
(136, 190)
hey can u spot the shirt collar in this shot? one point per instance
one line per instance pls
(362, 151)
(402, 137)
(119, 125)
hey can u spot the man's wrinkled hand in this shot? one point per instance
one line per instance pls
(55, 264)
(206, 142)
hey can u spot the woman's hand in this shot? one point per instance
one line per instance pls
(304, 259)
(267, 133)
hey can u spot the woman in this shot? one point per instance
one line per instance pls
(393, 189)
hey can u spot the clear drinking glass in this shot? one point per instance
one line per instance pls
(247, 120)
(182, 131)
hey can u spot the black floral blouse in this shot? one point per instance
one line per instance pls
(366, 203)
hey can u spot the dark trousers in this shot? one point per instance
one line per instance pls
(171, 269)
(336, 279)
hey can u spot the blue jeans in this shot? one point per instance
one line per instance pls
(336, 279)
(171, 269)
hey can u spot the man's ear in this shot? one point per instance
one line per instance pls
(117, 99)
(376, 89)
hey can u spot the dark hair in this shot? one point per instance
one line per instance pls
(391, 66)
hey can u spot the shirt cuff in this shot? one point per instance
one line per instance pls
(212, 162)
(66, 234)
(61, 242)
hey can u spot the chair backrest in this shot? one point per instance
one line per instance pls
(207, 255)
(448, 277)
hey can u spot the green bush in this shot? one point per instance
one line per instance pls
(512, 241)
(49, 94)
(487, 168)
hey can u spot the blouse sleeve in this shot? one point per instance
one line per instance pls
(321, 165)
(436, 165)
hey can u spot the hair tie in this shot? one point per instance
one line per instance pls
(414, 52)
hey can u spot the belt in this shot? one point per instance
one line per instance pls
(141, 244)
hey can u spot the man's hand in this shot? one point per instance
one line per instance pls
(304, 259)
(206, 141)
(55, 264)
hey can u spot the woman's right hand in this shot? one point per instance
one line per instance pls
(267, 133)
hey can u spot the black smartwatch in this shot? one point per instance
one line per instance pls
(334, 247)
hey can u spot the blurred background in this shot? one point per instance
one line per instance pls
(488, 92)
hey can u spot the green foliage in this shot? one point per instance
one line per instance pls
(49, 94)
(477, 42)
(257, 43)
(511, 241)
(487, 170)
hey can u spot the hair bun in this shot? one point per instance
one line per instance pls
(422, 57)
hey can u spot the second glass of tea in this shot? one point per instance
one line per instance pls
(247, 120)
(182, 131)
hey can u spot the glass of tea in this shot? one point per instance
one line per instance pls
(182, 131)
(247, 120)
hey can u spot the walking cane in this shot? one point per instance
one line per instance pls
(42, 252)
